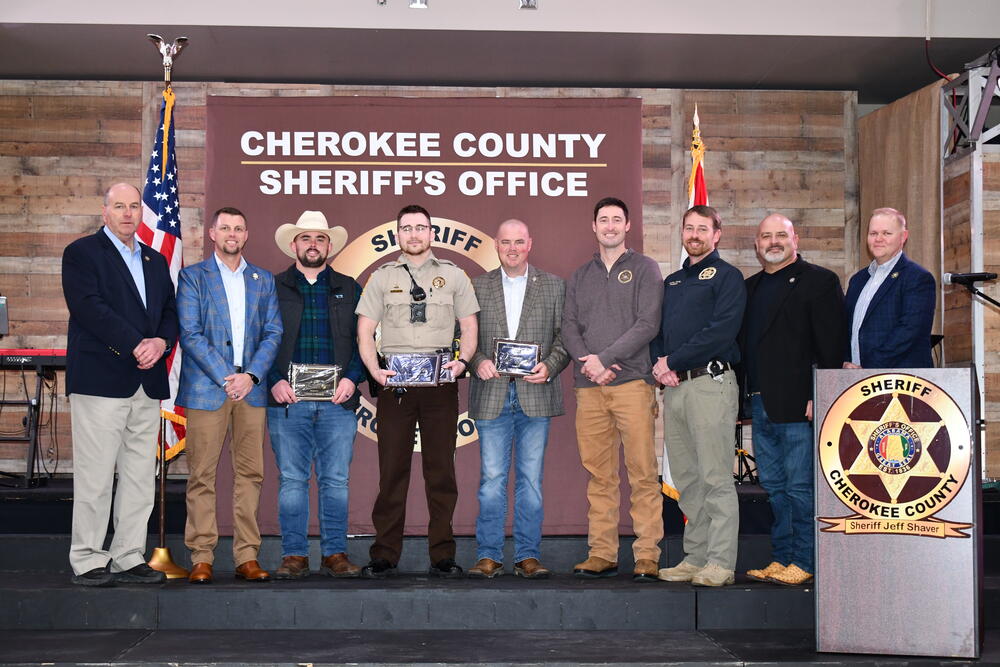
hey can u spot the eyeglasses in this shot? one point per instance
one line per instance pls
(409, 229)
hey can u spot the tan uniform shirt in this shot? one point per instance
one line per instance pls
(386, 299)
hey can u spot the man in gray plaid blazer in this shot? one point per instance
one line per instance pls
(512, 412)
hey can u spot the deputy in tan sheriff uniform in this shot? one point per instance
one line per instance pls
(417, 299)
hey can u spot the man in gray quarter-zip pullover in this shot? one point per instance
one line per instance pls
(612, 312)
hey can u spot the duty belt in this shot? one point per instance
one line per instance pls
(714, 368)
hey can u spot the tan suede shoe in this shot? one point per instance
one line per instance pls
(595, 567)
(683, 571)
(713, 575)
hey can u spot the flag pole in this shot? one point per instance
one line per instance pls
(161, 559)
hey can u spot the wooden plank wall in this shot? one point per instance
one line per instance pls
(956, 241)
(63, 142)
(991, 321)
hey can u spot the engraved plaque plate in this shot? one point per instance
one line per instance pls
(514, 357)
(314, 382)
(414, 370)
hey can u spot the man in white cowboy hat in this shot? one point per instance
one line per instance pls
(317, 308)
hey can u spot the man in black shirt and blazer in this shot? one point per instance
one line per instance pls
(794, 320)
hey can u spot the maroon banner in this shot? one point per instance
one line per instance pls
(473, 163)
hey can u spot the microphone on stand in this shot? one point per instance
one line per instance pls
(967, 278)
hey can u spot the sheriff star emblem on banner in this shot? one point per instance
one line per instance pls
(895, 449)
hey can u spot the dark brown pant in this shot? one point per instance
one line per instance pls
(435, 409)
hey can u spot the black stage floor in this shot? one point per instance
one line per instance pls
(415, 619)
(456, 647)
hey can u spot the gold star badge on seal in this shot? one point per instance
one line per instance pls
(438, 282)
(707, 274)
(894, 445)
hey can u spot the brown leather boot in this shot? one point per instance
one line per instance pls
(595, 567)
(530, 568)
(337, 565)
(293, 567)
(486, 568)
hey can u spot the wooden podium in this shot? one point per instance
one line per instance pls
(898, 512)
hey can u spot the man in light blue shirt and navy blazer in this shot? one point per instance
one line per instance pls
(122, 324)
(890, 303)
(230, 331)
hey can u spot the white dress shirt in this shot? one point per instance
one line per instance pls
(236, 297)
(513, 299)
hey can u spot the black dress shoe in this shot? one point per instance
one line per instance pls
(446, 567)
(378, 568)
(99, 576)
(140, 574)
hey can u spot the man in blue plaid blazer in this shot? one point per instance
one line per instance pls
(890, 303)
(512, 413)
(230, 332)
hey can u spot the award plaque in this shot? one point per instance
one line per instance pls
(414, 370)
(445, 374)
(514, 357)
(313, 382)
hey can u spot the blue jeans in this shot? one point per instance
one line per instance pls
(784, 454)
(526, 437)
(317, 432)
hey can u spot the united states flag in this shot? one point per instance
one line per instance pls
(160, 229)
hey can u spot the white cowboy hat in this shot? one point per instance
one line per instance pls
(310, 221)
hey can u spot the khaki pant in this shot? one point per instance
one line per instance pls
(607, 417)
(206, 432)
(112, 434)
(699, 422)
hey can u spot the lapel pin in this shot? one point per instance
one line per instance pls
(895, 274)
(146, 257)
(792, 279)
(254, 276)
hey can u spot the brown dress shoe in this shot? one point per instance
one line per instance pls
(251, 571)
(530, 568)
(595, 567)
(646, 570)
(337, 565)
(485, 568)
(293, 567)
(201, 573)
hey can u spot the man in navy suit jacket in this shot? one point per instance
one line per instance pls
(122, 324)
(890, 303)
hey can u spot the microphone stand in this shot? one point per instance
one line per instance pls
(974, 290)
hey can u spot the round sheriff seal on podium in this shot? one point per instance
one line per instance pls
(895, 449)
